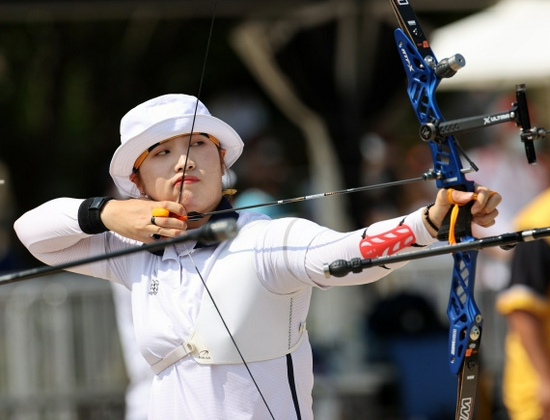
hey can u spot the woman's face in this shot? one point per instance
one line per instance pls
(161, 173)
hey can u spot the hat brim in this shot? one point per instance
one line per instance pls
(127, 153)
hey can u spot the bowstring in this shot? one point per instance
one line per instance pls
(199, 91)
(203, 71)
(229, 332)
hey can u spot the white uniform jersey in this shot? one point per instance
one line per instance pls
(167, 292)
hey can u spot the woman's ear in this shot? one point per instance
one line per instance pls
(222, 161)
(135, 179)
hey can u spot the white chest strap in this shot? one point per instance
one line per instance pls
(265, 325)
(187, 348)
(175, 355)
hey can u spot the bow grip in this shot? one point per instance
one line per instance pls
(463, 226)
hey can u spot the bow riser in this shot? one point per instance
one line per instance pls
(463, 313)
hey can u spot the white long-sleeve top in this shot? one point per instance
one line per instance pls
(167, 292)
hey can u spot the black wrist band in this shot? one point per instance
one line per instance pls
(89, 215)
(427, 217)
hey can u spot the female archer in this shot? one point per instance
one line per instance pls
(172, 157)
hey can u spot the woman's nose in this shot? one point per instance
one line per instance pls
(182, 161)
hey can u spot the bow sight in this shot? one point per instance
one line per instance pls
(519, 113)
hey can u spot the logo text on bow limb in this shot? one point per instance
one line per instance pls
(386, 243)
(465, 408)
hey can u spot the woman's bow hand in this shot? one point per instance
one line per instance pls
(484, 209)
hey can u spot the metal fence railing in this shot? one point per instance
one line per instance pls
(60, 355)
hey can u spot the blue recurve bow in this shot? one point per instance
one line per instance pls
(424, 74)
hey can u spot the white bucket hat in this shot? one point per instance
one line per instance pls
(162, 118)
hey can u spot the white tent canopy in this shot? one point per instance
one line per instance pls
(504, 45)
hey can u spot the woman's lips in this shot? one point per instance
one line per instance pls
(187, 180)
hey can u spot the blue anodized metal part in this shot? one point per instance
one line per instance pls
(462, 310)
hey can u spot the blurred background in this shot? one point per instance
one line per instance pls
(318, 93)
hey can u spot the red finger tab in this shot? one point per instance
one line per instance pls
(177, 216)
(387, 243)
